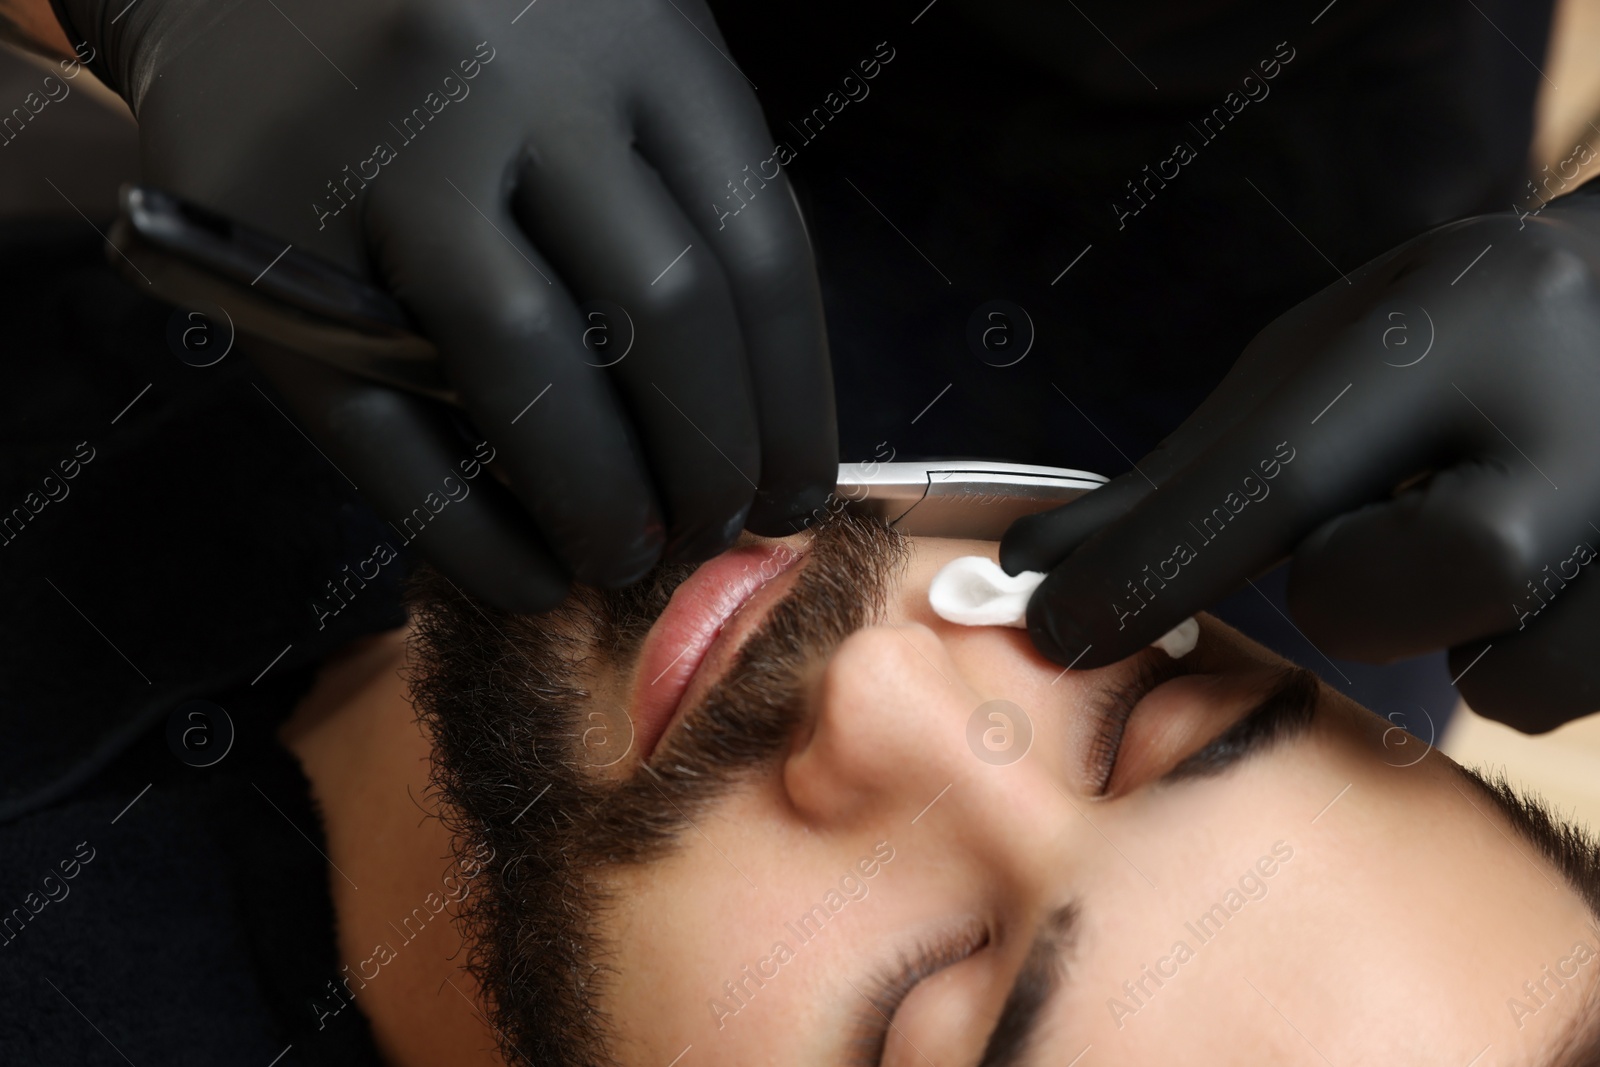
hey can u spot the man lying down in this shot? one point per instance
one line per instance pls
(868, 836)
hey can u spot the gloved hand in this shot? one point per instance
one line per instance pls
(496, 170)
(1422, 439)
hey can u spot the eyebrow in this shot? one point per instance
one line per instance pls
(1566, 845)
(1283, 715)
(1038, 978)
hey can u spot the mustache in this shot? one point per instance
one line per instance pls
(507, 699)
(748, 718)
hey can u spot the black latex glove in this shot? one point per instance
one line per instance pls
(496, 170)
(1424, 442)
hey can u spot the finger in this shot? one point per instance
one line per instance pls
(407, 461)
(615, 233)
(703, 132)
(1542, 673)
(1039, 542)
(510, 337)
(1234, 510)
(1444, 563)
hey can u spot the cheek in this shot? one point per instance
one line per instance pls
(1000, 658)
(999, 663)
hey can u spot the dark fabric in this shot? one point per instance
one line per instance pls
(994, 145)
(184, 554)
(200, 929)
(178, 561)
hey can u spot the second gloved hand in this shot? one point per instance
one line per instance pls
(1420, 438)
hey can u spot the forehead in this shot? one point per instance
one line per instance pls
(1320, 909)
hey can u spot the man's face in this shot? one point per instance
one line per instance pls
(943, 850)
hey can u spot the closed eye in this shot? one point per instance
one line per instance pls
(885, 992)
(1114, 706)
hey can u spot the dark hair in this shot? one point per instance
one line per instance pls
(501, 694)
(1575, 852)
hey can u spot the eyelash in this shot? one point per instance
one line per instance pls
(1114, 707)
(887, 994)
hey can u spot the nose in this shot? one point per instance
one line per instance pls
(898, 722)
(886, 726)
(903, 745)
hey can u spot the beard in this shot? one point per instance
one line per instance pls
(508, 700)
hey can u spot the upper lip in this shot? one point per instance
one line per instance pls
(695, 620)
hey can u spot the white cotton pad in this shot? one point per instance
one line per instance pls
(975, 591)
